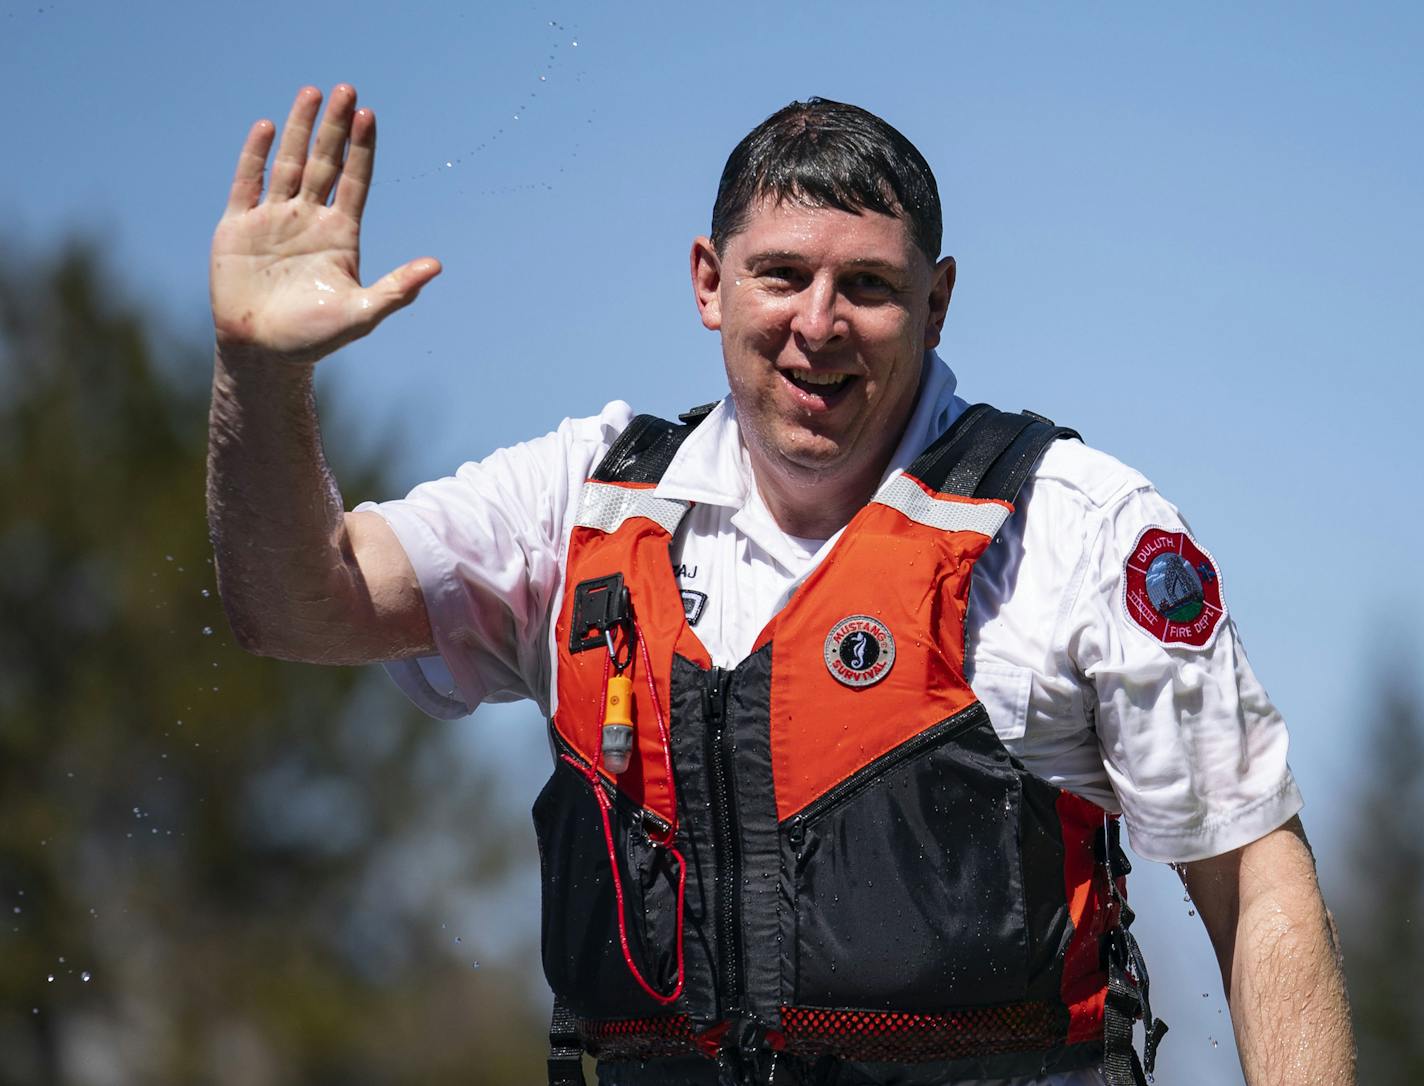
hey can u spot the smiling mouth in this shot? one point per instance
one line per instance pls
(826, 387)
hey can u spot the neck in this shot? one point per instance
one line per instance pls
(810, 504)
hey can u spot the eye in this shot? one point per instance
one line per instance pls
(870, 285)
(782, 277)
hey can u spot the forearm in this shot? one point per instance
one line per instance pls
(299, 578)
(1280, 962)
(274, 511)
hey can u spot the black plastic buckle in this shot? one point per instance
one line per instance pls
(600, 604)
(693, 415)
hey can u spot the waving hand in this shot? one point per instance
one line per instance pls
(285, 272)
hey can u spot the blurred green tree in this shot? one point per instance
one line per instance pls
(1384, 903)
(213, 868)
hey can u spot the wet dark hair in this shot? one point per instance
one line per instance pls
(821, 153)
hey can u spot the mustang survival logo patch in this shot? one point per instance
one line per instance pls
(859, 650)
(1171, 588)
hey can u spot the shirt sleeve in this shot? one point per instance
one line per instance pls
(1194, 748)
(487, 544)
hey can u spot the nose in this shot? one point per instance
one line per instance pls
(817, 320)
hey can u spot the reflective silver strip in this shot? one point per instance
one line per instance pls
(946, 514)
(606, 506)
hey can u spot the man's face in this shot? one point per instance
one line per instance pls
(825, 317)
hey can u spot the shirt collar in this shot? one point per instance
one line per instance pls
(712, 465)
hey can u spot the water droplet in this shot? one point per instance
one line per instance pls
(85, 976)
(17, 910)
(206, 593)
(449, 165)
(574, 44)
(50, 978)
(458, 939)
(475, 964)
(207, 631)
(168, 558)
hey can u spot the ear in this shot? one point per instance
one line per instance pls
(941, 287)
(707, 283)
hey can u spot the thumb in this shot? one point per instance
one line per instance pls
(398, 288)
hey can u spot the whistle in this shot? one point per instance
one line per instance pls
(618, 724)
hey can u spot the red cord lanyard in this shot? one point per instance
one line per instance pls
(591, 773)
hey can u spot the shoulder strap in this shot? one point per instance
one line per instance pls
(987, 453)
(565, 1067)
(644, 450)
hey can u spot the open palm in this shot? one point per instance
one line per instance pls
(285, 271)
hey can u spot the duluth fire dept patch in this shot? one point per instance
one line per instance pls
(859, 650)
(1171, 588)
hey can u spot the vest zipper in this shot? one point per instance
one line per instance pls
(727, 839)
(940, 733)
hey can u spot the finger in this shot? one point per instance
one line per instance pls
(251, 161)
(292, 151)
(325, 161)
(397, 289)
(355, 180)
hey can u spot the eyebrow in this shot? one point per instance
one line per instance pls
(770, 255)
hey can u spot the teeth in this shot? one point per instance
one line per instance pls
(809, 378)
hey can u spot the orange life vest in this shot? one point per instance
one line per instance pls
(822, 859)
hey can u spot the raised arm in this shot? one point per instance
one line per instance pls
(299, 577)
(1280, 960)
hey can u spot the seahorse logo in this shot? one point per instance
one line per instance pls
(859, 650)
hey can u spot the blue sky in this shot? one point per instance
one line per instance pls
(1191, 232)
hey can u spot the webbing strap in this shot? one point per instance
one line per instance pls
(987, 453)
(1121, 1067)
(644, 450)
(565, 1048)
(1128, 994)
(932, 465)
(1010, 471)
(994, 434)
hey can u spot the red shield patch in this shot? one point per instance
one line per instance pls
(1172, 588)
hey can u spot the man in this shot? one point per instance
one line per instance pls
(785, 839)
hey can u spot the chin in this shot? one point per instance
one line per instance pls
(812, 454)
